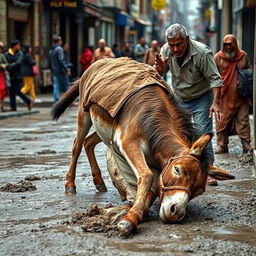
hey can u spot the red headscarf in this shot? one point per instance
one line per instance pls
(228, 73)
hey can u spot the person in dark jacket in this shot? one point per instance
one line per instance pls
(28, 78)
(59, 68)
(127, 51)
(14, 57)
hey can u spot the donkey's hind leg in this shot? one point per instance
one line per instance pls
(89, 145)
(83, 126)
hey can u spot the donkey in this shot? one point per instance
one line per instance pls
(151, 140)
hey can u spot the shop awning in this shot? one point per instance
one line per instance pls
(142, 22)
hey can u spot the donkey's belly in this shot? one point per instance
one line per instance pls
(103, 129)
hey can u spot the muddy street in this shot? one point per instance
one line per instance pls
(37, 218)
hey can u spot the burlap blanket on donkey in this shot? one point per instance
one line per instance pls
(110, 82)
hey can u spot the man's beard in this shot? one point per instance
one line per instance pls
(230, 55)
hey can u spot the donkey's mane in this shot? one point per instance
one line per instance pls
(161, 117)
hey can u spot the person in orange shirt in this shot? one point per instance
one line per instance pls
(102, 52)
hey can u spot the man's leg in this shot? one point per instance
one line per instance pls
(18, 85)
(12, 95)
(243, 127)
(200, 109)
(65, 85)
(56, 88)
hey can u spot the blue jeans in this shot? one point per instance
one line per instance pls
(60, 84)
(200, 108)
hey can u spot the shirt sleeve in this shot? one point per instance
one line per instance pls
(210, 71)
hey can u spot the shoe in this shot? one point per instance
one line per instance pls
(37, 100)
(30, 104)
(3, 109)
(247, 148)
(221, 150)
(212, 182)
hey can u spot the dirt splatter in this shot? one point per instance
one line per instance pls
(20, 186)
(33, 177)
(97, 220)
(46, 152)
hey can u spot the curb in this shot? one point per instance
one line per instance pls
(5, 115)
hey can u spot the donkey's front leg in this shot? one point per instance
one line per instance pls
(144, 198)
(83, 127)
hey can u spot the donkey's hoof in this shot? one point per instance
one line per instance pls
(125, 227)
(101, 188)
(70, 190)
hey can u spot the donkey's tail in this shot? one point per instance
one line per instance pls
(65, 101)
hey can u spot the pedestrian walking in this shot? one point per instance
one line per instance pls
(86, 58)
(102, 51)
(234, 108)
(151, 53)
(28, 78)
(127, 51)
(140, 50)
(14, 57)
(196, 81)
(3, 87)
(59, 68)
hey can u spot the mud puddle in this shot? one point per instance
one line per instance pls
(239, 234)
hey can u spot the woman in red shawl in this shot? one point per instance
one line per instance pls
(235, 109)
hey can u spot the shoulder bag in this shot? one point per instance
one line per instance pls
(245, 82)
(35, 70)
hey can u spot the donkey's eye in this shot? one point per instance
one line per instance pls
(176, 170)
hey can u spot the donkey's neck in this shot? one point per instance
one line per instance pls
(172, 140)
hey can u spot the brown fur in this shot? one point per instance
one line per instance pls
(150, 117)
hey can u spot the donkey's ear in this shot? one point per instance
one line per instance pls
(218, 173)
(199, 145)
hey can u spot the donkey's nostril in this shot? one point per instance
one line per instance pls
(173, 209)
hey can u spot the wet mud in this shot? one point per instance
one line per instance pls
(45, 221)
(20, 186)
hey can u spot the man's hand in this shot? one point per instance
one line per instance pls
(160, 65)
(216, 109)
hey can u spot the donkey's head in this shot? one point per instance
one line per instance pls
(183, 178)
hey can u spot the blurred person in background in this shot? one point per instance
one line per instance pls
(86, 58)
(234, 108)
(66, 59)
(140, 50)
(196, 81)
(3, 87)
(151, 53)
(115, 50)
(26, 67)
(59, 68)
(14, 57)
(102, 51)
(127, 51)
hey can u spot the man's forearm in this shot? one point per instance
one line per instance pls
(216, 94)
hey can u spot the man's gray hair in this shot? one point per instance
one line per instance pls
(173, 31)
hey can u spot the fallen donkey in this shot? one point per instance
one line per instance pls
(153, 148)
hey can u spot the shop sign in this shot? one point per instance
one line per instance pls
(64, 5)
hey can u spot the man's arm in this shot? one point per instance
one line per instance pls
(17, 63)
(215, 104)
